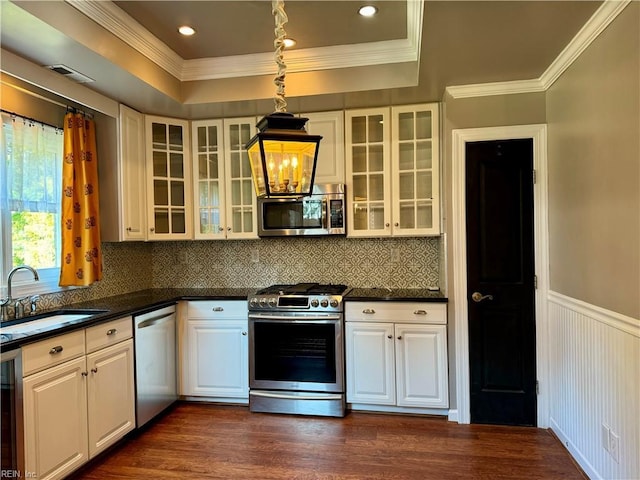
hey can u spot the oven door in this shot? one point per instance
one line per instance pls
(296, 351)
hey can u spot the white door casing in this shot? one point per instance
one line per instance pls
(541, 238)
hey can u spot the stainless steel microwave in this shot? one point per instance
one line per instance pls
(321, 213)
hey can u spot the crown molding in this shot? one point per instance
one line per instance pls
(108, 15)
(303, 60)
(600, 20)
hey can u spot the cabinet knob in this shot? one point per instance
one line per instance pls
(128, 229)
(220, 229)
(228, 229)
(84, 374)
(399, 337)
(152, 229)
(387, 224)
(396, 224)
(244, 333)
(112, 331)
(389, 336)
(94, 370)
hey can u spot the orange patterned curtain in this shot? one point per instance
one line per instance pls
(81, 249)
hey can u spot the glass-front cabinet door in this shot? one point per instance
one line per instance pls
(208, 179)
(240, 197)
(415, 170)
(368, 172)
(169, 178)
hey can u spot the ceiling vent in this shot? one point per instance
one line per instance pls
(70, 74)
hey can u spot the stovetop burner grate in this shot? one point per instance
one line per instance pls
(304, 289)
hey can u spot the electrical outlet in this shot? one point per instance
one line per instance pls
(395, 255)
(614, 446)
(255, 255)
(605, 437)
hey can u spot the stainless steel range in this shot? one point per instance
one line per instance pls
(296, 350)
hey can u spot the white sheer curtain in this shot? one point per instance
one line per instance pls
(30, 183)
(31, 166)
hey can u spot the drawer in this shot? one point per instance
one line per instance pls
(52, 351)
(405, 312)
(217, 309)
(110, 333)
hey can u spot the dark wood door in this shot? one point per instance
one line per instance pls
(500, 281)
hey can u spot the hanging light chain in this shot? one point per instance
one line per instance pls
(277, 8)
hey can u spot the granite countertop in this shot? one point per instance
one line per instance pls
(395, 295)
(119, 306)
(135, 303)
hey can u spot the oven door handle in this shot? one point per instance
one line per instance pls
(284, 395)
(295, 318)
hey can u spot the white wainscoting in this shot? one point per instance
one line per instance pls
(594, 373)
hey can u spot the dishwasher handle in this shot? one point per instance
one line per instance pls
(153, 321)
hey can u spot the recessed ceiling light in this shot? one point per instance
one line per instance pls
(368, 11)
(289, 42)
(186, 30)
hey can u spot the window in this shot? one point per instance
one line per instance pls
(30, 190)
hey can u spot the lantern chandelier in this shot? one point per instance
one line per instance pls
(282, 155)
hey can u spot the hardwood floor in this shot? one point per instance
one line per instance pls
(200, 441)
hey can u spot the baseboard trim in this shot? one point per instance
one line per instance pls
(574, 451)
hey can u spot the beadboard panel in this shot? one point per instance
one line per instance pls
(595, 380)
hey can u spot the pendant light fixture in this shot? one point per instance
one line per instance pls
(282, 155)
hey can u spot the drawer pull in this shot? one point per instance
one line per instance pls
(420, 312)
(218, 309)
(56, 349)
(112, 331)
(368, 311)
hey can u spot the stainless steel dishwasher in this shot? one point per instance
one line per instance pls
(155, 347)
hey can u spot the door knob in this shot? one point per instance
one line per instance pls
(478, 297)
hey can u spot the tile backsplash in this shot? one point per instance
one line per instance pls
(258, 263)
(371, 262)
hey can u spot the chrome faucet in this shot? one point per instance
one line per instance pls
(3, 303)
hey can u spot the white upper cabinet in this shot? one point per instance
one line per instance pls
(123, 199)
(393, 177)
(330, 164)
(168, 179)
(240, 196)
(368, 169)
(208, 179)
(134, 220)
(224, 196)
(415, 167)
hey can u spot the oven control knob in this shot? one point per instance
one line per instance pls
(314, 303)
(333, 303)
(324, 303)
(263, 302)
(253, 303)
(272, 302)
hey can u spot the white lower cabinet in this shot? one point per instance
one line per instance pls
(55, 420)
(394, 357)
(216, 351)
(77, 401)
